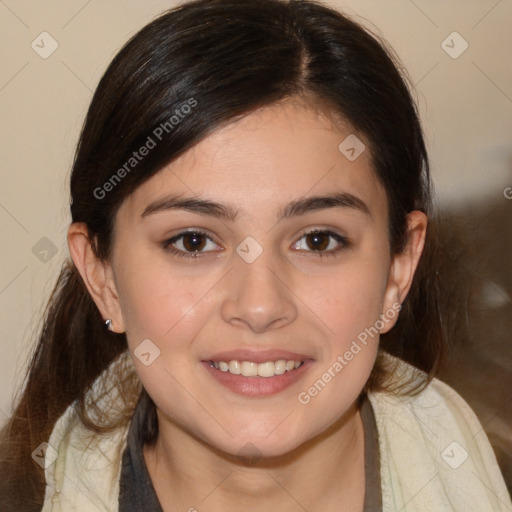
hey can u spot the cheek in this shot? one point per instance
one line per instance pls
(349, 302)
(163, 313)
(350, 299)
(155, 301)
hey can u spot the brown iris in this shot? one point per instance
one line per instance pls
(317, 240)
(194, 241)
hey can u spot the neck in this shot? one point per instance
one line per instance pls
(326, 472)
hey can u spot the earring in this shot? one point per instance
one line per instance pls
(108, 324)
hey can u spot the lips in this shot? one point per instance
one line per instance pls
(257, 373)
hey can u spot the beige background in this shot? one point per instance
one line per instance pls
(465, 103)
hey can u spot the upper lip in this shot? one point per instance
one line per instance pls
(256, 356)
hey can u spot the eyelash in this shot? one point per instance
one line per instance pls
(167, 245)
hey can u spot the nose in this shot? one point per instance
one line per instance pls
(258, 296)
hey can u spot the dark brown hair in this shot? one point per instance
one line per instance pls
(230, 57)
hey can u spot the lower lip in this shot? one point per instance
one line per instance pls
(257, 386)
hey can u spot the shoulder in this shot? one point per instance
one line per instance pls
(435, 454)
(82, 467)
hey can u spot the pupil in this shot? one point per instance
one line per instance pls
(317, 239)
(193, 241)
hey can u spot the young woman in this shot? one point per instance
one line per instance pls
(251, 317)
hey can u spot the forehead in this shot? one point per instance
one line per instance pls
(266, 159)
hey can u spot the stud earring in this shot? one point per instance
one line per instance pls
(108, 324)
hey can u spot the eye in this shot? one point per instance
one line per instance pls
(322, 242)
(189, 244)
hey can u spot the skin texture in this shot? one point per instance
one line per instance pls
(306, 455)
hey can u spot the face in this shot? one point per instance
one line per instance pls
(282, 255)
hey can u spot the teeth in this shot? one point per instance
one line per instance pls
(234, 367)
(266, 369)
(280, 367)
(250, 369)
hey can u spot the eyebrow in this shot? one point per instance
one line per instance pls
(228, 212)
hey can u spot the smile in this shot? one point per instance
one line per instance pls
(252, 369)
(252, 379)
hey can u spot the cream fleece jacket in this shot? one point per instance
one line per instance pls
(435, 456)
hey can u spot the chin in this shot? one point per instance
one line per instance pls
(249, 450)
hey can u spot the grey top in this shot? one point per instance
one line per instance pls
(137, 494)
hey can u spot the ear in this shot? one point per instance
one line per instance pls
(96, 274)
(403, 267)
